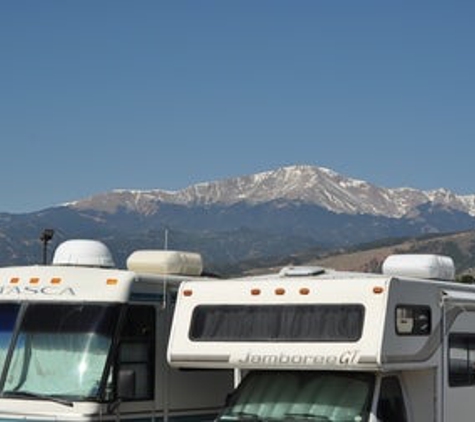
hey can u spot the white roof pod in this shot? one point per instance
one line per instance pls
(165, 262)
(83, 253)
(435, 267)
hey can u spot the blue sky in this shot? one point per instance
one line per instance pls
(98, 95)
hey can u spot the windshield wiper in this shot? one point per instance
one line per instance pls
(305, 417)
(29, 394)
(240, 416)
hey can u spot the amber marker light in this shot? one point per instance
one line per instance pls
(55, 280)
(304, 291)
(280, 291)
(111, 281)
(187, 292)
(378, 290)
(255, 292)
(14, 280)
(34, 280)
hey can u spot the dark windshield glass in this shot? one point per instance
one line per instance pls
(302, 396)
(299, 323)
(61, 350)
(8, 316)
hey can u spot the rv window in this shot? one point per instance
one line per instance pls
(285, 323)
(136, 353)
(391, 402)
(461, 360)
(413, 320)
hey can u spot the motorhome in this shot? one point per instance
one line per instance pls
(83, 341)
(312, 344)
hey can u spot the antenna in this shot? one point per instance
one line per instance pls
(165, 285)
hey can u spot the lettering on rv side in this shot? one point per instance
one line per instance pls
(34, 290)
(346, 358)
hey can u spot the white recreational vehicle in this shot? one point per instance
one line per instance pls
(82, 341)
(310, 344)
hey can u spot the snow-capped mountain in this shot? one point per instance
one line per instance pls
(304, 184)
(274, 214)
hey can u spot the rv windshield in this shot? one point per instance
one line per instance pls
(60, 350)
(301, 396)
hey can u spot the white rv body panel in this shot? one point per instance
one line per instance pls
(364, 353)
(416, 339)
(378, 348)
(58, 284)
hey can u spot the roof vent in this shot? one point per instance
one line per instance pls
(435, 267)
(83, 253)
(301, 271)
(165, 262)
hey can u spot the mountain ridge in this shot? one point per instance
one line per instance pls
(268, 215)
(308, 184)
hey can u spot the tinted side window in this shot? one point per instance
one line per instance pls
(461, 360)
(137, 353)
(283, 323)
(391, 406)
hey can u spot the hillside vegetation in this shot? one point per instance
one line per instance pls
(369, 258)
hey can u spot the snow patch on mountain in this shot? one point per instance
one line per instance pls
(307, 184)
